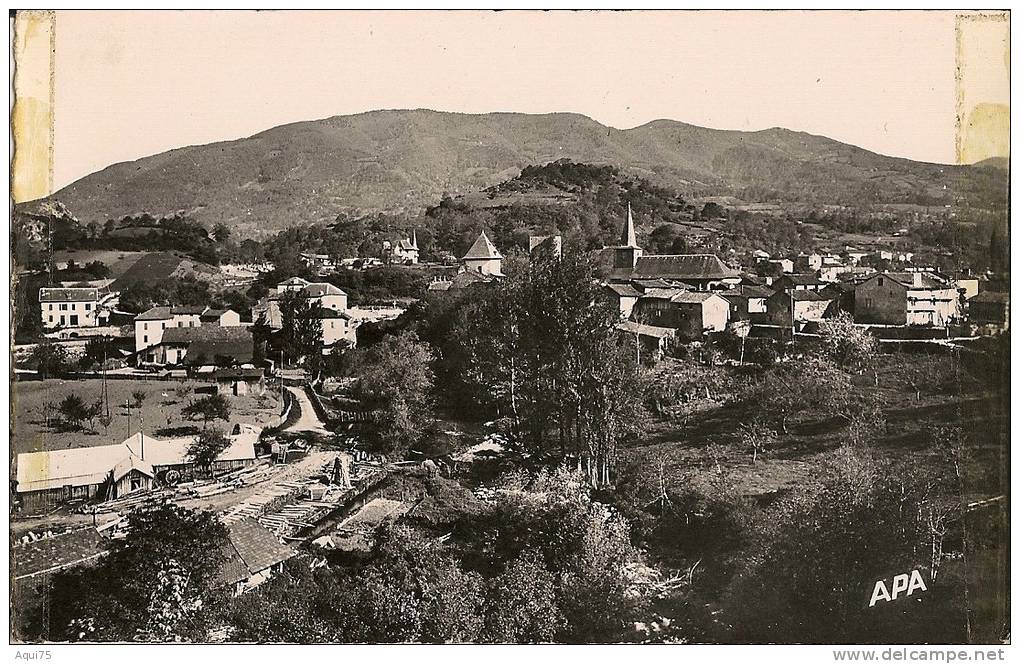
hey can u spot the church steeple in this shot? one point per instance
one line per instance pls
(629, 237)
(414, 240)
(627, 253)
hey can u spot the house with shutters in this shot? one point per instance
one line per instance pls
(150, 325)
(906, 298)
(76, 307)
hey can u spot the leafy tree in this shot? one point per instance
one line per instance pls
(49, 359)
(821, 557)
(522, 606)
(93, 411)
(412, 592)
(543, 348)
(221, 233)
(138, 398)
(394, 380)
(813, 386)
(161, 582)
(207, 447)
(207, 408)
(846, 344)
(584, 545)
(73, 411)
(302, 325)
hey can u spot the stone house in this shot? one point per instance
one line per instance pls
(794, 308)
(906, 298)
(990, 308)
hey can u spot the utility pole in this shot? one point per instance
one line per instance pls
(106, 393)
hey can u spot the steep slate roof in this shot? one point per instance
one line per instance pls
(68, 294)
(210, 341)
(482, 249)
(155, 313)
(646, 330)
(321, 289)
(624, 290)
(692, 297)
(683, 266)
(991, 297)
(55, 552)
(252, 549)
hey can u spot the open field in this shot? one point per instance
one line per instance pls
(160, 410)
(117, 261)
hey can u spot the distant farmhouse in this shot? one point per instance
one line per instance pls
(337, 324)
(405, 252)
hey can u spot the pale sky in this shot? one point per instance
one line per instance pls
(131, 84)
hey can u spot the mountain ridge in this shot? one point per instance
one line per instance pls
(401, 161)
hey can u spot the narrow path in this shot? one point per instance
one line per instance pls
(307, 420)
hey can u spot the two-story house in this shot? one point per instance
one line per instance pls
(75, 307)
(906, 298)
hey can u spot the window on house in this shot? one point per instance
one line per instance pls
(50, 307)
(136, 483)
(51, 319)
(63, 307)
(145, 339)
(881, 281)
(88, 307)
(61, 320)
(74, 320)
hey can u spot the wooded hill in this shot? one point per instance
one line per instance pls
(405, 160)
